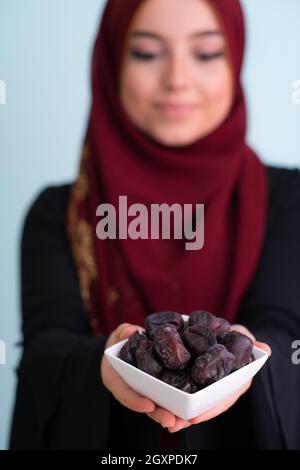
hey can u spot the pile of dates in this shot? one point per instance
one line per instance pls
(187, 355)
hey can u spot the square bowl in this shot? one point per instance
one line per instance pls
(183, 404)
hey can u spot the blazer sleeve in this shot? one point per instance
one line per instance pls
(272, 312)
(60, 399)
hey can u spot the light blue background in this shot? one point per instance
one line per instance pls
(45, 50)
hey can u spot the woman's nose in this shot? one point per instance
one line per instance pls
(176, 75)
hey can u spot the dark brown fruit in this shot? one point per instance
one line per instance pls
(188, 355)
(170, 348)
(146, 360)
(222, 328)
(156, 320)
(198, 339)
(203, 318)
(181, 380)
(241, 346)
(215, 364)
(219, 326)
(127, 353)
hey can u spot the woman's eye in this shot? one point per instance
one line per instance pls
(139, 55)
(207, 57)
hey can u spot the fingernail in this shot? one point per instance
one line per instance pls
(174, 430)
(150, 410)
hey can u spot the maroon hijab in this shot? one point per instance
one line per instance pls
(125, 280)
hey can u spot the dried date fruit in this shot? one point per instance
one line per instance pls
(198, 339)
(127, 353)
(181, 380)
(241, 346)
(203, 318)
(215, 364)
(146, 360)
(219, 326)
(170, 348)
(222, 328)
(187, 354)
(156, 320)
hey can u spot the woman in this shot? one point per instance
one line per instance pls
(167, 125)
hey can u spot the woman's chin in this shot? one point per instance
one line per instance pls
(175, 140)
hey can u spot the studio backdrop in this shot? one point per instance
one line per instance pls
(45, 48)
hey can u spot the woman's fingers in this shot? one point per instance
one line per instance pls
(128, 330)
(114, 383)
(168, 420)
(175, 424)
(164, 417)
(179, 425)
(123, 392)
(114, 336)
(264, 347)
(122, 332)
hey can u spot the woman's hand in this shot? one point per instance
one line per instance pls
(123, 392)
(114, 383)
(136, 402)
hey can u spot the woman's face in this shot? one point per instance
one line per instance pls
(176, 83)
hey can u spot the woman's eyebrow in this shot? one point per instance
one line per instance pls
(149, 34)
(146, 34)
(210, 32)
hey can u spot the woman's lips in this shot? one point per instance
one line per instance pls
(174, 110)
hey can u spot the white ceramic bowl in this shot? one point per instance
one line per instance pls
(182, 404)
